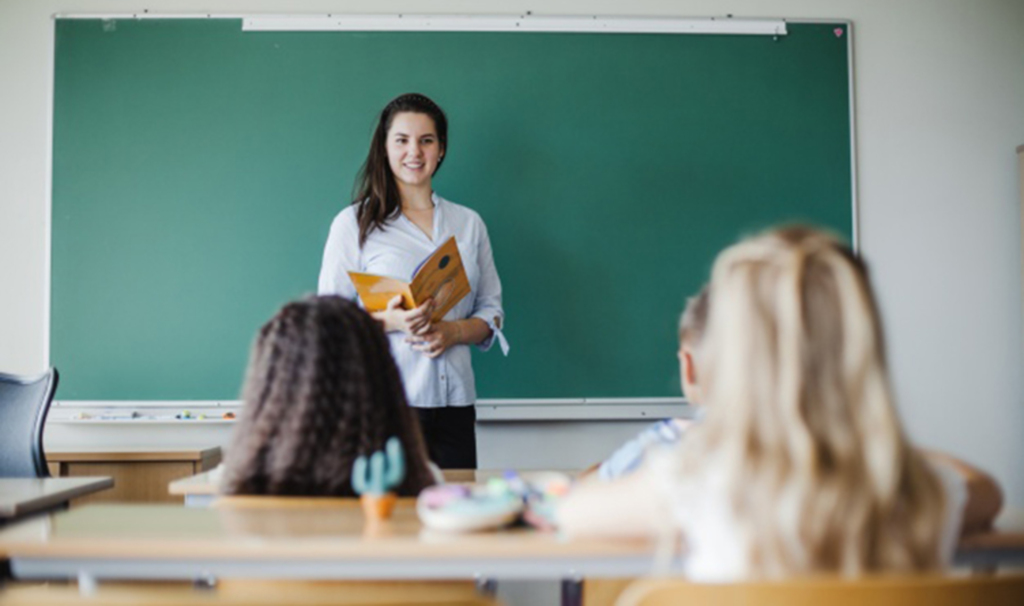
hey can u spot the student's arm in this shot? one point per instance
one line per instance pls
(628, 457)
(984, 496)
(632, 506)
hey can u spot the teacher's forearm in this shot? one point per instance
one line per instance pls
(388, 320)
(471, 331)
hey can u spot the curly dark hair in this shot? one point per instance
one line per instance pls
(321, 389)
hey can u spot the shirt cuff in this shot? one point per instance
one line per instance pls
(492, 323)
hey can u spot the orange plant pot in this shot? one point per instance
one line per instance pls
(378, 506)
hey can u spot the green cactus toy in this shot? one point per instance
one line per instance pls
(373, 481)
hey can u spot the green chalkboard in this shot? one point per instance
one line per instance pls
(197, 168)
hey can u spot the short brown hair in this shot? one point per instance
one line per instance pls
(694, 319)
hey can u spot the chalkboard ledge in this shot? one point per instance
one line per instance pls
(588, 409)
(487, 410)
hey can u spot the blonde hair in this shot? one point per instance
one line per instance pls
(802, 429)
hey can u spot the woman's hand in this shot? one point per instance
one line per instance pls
(437, 340)
(412, 322)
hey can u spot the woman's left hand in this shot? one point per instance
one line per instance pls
(437, 339)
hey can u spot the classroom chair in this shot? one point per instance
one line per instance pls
(924, 590)
(24, 404)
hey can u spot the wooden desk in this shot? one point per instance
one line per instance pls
(326, 540)
(140, 475)
(201, 489)
(22, 496)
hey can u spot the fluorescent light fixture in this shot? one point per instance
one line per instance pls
(520, 23)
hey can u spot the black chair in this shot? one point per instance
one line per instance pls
(24, 403)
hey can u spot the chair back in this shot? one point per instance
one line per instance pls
(923, 590)
(24, 404)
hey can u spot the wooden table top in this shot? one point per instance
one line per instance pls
(133, 454)
(206, 483)
(328, 538)
(20, 496)
(279, 528)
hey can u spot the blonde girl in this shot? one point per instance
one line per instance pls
(802, 464)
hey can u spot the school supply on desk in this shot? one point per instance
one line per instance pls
(374, 480)
(497, 503)
(461, 508)
(440, 277)
(119, 415)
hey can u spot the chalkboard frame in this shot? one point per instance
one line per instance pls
(431, 24)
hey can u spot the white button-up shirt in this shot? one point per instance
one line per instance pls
(396, 251)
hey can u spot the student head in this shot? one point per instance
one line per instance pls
(801, 423)
(321, 389)
(407, 149)
(691, 333)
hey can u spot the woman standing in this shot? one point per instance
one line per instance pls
(395, 222)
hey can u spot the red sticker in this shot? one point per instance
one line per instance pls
(838, 31)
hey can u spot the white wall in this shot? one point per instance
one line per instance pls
(940, 111)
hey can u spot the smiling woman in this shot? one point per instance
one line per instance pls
(395, 221)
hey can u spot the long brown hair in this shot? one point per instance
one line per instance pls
(321, 389)
(802, 428)
(376, 192)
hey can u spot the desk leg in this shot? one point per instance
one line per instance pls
(206, 582)
(87, 584)
(487, 587)
(572, 592)
(199, 500)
